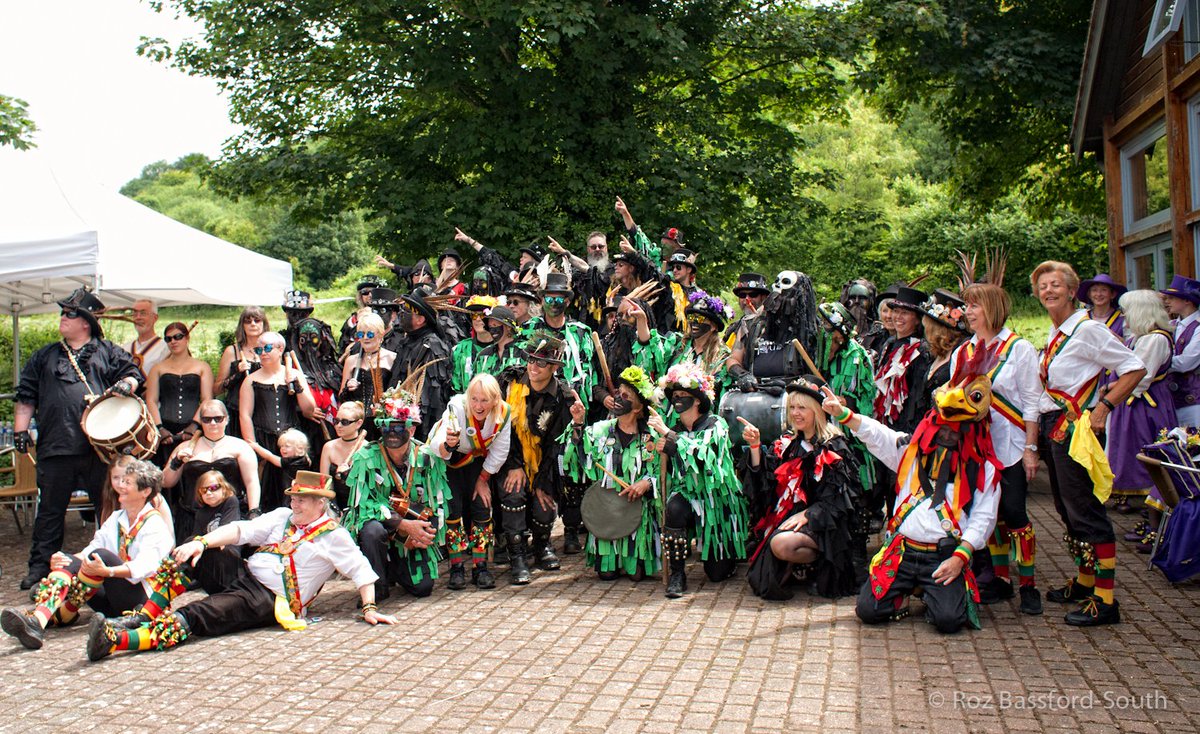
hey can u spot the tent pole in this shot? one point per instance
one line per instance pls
(16, 332)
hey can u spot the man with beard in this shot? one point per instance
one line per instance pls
(542, 407)
(147, 348)
(423, 349)
(362, 294)
(592, 277)
(522, 300)
(751, 291)
(766, 351)
(398, 497)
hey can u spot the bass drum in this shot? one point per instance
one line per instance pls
(607, 515)
(117, 425)
(767, 413)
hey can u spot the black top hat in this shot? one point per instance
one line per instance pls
(557, 283)
(370, 281)
(542, 344)
(810, 385)
(87, 305)
(520, 290)
(682, 256)
(416, 303)
(947, 309)
(297, 301)
(452, 253)
(382, 298)
(910, 299)
(622, 257)
(535, 251)
(751, 283)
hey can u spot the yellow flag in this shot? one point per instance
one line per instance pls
(1086, 449)
(284, 616)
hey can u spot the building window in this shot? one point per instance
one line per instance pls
(1150, 265)
(1166, 20)
(1191, 32)
(1145, 185)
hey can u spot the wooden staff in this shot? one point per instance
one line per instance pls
(807, 359)
(662, 515)
(612, 390)
(620, 482)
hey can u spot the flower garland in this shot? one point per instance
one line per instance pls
(701, 301)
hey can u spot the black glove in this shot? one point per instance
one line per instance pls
(121, 388)
(21, 441)
(773, 390)
(746, 382)
(254, 513)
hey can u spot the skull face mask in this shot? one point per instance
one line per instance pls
(785, 281)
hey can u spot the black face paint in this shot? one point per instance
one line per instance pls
(699, 329)
(497, 332)
(394, 440)
(555, 309)
(682, 403)
(621, 406)
(406, 320)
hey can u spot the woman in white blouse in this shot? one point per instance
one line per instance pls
(1014, 428)
(110, 573)
(1073, 364)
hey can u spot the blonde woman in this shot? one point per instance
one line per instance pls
(809, 476)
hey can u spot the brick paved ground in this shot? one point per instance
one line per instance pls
(570, 653)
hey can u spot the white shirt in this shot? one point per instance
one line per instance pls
(923, 524)
(1090, 350)
(1189, 359)
(1153, 350)
(1018, 382)
(497, 451)
(316, 560)
(149, 547)
(152, 356)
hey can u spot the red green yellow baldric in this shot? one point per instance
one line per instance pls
(286, 549)
(1070, 404)
(476, 443)
(1001, 404)
(125, 539)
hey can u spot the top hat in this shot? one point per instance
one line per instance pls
(684, 257)
(910, 299)
(751, 284)
(557, 283)
(382, 298)
(370, 281)
(297, 301)
(311, 484)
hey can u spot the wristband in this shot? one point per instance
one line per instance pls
(754, 446)
(202, 540)
(369, 607)
(1107, 404)
(962, 552)
(176, 464)
(846, 415)
(485, 475)
(1031, 447)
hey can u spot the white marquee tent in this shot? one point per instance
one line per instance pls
(57, 234)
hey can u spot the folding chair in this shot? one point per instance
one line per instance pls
(1177, 479)
(22, 494)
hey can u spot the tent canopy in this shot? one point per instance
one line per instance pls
(57, 234)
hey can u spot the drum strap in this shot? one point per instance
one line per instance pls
(75, 364)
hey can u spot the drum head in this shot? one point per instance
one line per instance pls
(112, 417)
(608, 515)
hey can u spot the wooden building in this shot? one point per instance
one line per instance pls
(1138, 108)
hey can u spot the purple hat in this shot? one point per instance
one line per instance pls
(1081, 295)
(1185, 288)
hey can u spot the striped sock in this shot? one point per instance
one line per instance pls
(134, 639)
(1106, 571)
(51, 594)
(456, 541)
(82, 588)
(481, 540)
(166, 584)
(998, 547)
(1025, 549)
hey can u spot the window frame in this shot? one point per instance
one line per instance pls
(1137, 145)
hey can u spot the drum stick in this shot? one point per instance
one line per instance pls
(623, 484)
(807, 359)
(608, 381)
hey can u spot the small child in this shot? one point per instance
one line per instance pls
(293, 454)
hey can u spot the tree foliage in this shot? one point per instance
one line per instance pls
(520, 119)
(999, 77)
(16, 127)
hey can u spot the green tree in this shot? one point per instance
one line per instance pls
(518, 119)
(999, 78)
(16, 127)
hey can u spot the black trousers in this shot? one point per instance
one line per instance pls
(218, 568)
(462, 488)
(114, 597)
(946, 606)
(374, 539)
(522, 504)
(570, 504)
(1014, 489)
(57, 478)
(246, 604)
(1074, 494)
(679, 514)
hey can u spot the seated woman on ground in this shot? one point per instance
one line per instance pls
(217, 505)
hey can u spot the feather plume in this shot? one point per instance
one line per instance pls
(543, 271)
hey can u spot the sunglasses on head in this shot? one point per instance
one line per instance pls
(70, 313)
(264, 349)
(364, 335)
(174, 338)
(212, 488)
(211, 419)
(346, 421)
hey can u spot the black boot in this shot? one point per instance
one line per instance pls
(544, 552)
(458, 578)
(675, 553)
(130, 621)
(516, 553)
(571, 544)
(482, 577)
(23, 626)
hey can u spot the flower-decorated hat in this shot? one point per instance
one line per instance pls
(544, 345)
(638, 381)
(481, 303)
(397, 405)
(838, 317)
(689, 377)
(710, 307)
(947, 309)
(311, 484)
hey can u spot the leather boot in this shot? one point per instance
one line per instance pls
(516, 553)
(675, 553)
(544, 552)
(571, 544)
(482, 577)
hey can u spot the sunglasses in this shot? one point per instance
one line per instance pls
(210, 419)
(364, 335)
(70, 313)
(680, 266)
(365, 293)
(211, 489)
(264, 349)
(252, 320)
(396, 428)
(539, 362)
(346, 421)
(555, 300)
(696, 319)
(174, 338)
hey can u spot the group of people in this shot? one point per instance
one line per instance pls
(452, 421)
